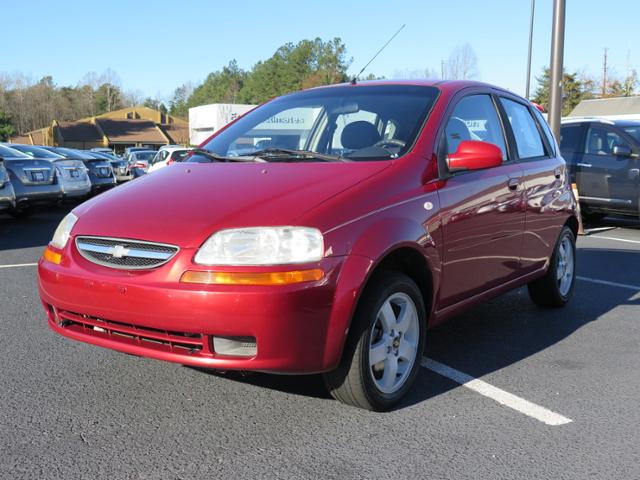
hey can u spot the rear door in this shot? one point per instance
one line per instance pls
(544, 180)
(571, 148)
(482, 210)
(607, 171)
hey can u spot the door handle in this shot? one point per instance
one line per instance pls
(585, 165)
(513, 183)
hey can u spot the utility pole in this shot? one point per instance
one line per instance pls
(442, 69)
(533, 9)
(604, 73)
(557, 53)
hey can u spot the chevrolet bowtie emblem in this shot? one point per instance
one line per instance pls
(119, 251)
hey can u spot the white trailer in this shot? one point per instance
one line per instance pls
(205, 120)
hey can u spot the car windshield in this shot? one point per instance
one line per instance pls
(634, 132)
(179, 155)
(363, 122)
(11, 153)
(144, 155)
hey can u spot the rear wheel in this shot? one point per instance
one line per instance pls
(592, 217)
(556, 287)
(20, 211)
(382, 355)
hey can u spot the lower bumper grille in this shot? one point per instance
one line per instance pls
(157, 339)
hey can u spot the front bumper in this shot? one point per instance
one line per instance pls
(150, 313)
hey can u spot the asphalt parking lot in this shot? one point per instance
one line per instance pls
(556, 394)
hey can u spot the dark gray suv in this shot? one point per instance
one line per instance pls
(602, 156)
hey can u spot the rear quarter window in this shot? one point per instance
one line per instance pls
(547, 130)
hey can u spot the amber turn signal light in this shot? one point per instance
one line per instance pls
(252, 278)
(51, 256)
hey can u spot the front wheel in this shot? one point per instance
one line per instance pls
(556, 287)
(382, 355)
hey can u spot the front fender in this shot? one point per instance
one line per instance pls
(369, 244)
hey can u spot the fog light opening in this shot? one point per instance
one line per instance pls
(235, 346)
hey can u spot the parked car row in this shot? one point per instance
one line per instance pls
(31, 175)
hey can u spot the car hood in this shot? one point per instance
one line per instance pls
(183, 204)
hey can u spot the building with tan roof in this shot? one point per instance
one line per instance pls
(127, 127)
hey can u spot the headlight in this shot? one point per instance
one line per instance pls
(262, 246)
(63, 232)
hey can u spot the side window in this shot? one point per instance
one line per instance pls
(474, 118)
(601, 140)
(546, 129)
(526, 133)
(570, 138)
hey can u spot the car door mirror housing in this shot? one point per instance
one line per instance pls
(474, 155)
(622, 151)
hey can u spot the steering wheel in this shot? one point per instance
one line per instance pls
(390, 142)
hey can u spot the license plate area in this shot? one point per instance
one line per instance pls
(37, 176)
(74, 173)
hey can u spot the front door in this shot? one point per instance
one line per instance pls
(482, 210)
(607, 176)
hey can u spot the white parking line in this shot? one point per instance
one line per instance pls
(604, 237)
(635, 288)
(507, 399)
(19, 265)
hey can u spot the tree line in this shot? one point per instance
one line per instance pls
(577, 86)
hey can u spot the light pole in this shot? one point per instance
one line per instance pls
(533, 10)
(557, 52)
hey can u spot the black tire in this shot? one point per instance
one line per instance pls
(592, 217)
(20, 212)
(353, 381)
(546, 291)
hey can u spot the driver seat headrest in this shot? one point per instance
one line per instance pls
(360, 134)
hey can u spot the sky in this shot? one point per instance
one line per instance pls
(157, 45)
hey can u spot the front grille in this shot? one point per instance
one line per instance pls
(153, 338)
(124, 253)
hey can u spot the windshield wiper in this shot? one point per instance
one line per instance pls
(274, 152)
(214, 157)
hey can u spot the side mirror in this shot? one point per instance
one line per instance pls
(622, 151)
(474, 155)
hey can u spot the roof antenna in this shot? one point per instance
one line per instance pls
(354, 80)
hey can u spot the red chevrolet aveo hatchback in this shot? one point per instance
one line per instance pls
(323, 232)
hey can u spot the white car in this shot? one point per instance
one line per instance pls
(168, 155)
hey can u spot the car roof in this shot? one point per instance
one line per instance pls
(173, 149)
(570, 120)
(445, 85)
